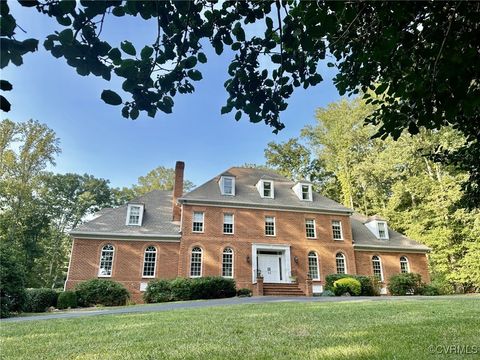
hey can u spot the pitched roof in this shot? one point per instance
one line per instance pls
(246, 193)
(363, 238)
(157, 219)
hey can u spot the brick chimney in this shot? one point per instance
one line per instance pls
(178, 190)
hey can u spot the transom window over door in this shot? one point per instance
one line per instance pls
(196, 262)
(149, 262)
(228, 223)
(337, 230)
(198, 217)
(404, 266)
(341, 264)
(377, 267)
(313, 265)
(270, 225)
(310, 228)
(106, 261)
(227, 263)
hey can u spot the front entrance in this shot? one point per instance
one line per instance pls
(271, 261)
(270, 266)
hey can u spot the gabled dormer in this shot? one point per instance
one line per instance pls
(266, 188)
(378, 227)
(303, 190)
(227, 184)
(134, 214)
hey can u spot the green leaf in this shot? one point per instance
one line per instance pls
(190, 62)
(67, 6)
(111, 97)
(118, 11)
(269, 22)
(66, 36)
(195, 75)
(134, 113)
(202, 58)
(115, 55)
(238, 115)
(128, 48)
(146, 52)
(28, 3)
(380, 89)
(4, 104)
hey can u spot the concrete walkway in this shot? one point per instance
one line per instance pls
(217, 302)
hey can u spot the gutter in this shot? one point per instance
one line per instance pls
(122, 236)
(390, 248)
(184, 201)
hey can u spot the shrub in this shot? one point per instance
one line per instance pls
(327, 293)
(39, 300)
(189, 289)
(158, 291)
(370, 286)
(244, 292)
(347, 285)
(67, 299)
(429, 290)
(405, 284)
(102, 292)
(12, 277)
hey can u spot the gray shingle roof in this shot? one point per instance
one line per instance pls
(363, 238)
(247, 194)
(157, 218)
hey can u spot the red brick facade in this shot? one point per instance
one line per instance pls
(173, 258)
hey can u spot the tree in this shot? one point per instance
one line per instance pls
(420, 58)
(160, 178)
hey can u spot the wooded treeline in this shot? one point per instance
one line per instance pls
(396, 179)
(39, 207)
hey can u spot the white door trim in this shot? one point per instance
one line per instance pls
(286, 263)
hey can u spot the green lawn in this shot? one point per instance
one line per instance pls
(402, 329)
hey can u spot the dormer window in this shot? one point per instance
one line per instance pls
(265, 188)
(303, 191)
(134, 214)
(382, 230)
(227, 185)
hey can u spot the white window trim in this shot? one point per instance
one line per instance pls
(154, 265)
(262, 189)
(233, 224)
(100, 262)
(318, 265)
(203, 222)
(222, 190)
(140, 217)
(201, 263)
(233, 263)
(384, 228)
(344, 262)
(341, 230)
(407, 262)
(314, 229)
(310, 195)
(381, 267)
(274, 226)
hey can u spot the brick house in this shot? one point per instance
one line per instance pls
(268, 233)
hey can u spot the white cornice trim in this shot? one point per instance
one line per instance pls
(120, 236)
(184, 201)
(389, 248)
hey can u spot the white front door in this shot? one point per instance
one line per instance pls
(270, 267)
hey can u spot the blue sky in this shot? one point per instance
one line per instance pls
(96, 139)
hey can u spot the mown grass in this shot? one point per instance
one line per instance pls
(402, 329)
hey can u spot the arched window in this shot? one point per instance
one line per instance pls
(196, 262)
(149, 262)
(227, 263)
(404, 266)
(106, 261)
(377, 267)
(341, 264)
(313, 265)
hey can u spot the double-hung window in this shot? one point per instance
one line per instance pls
(337, 230)
(341, 264)
(149, 262)
(310, 228)
(270, 225)
(382, 230)
(267, 189)
(313, 265)
(198, 220)
(228, 223)
(404, 266)
(377, 267)
(227, 185)
(106, 261)
(134, 215)
(196, 262)
(227, 263)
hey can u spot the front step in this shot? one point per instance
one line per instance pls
(282, 289)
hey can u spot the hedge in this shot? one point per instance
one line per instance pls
(347, 285)
(39, 300)
(370, 285)
(67, 299)
(214, 287)
(405, 284)
(101, 292)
